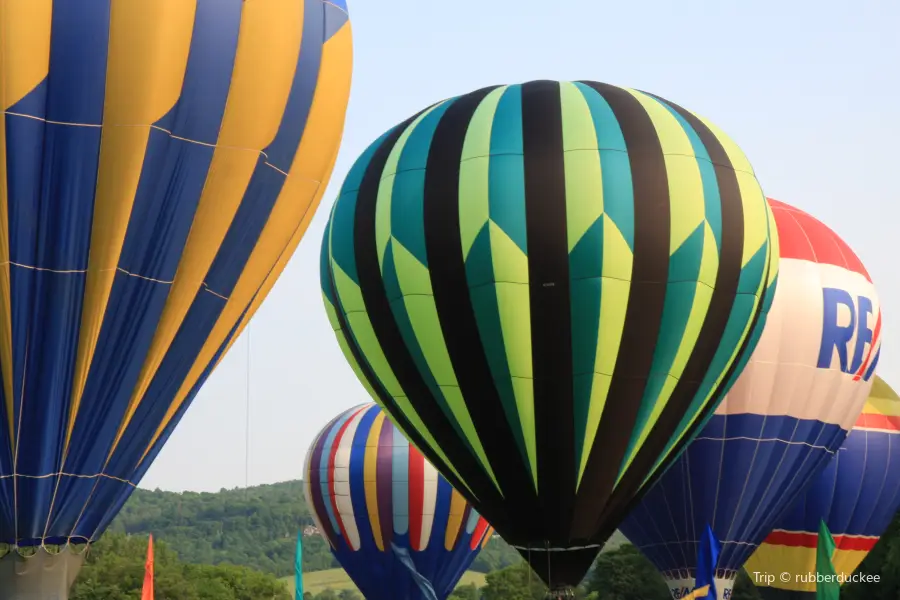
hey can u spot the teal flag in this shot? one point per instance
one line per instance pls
(298, 568)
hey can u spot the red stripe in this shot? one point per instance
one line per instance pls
(416, 496)
(877, 421)
(865, 365)
(803, 237)
(332, 452)
(478, 534)
(802, 539)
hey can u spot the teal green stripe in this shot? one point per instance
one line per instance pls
(343, 247)
(506, 191)
(711, 198)
(618, 191)
(408, 194)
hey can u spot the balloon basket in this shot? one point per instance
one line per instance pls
(565, 593)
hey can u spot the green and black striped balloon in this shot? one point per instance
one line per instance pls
(548, 287)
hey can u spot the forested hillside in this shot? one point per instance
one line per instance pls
(254, 527)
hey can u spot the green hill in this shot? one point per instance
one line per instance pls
(255, 527)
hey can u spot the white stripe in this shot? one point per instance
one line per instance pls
(341, 475)
(429, 500)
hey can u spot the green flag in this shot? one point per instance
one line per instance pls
(298, 569)
(827, 586)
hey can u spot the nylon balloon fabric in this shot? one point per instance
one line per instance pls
(160, 162)
(394, 523)
(784, 419)
(857, 494)
(547, 286)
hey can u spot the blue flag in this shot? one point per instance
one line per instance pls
(298, 568)
(707, 559)
(421, 581)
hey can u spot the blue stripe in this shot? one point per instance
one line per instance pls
(857, 493)
(52, 171)
(739, 486)
(171, 183)
(357, 479)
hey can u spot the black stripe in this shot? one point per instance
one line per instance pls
(551, 319)
(714, 324)
(387, 401)
(643, 315)
(460, 328)
(388, 333)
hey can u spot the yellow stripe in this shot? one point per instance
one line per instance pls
(488, 533)
(148, 50)
(799, 560)
(293, 206)
(264, 68)
(370, 477)
(454, 521)
(24, 63)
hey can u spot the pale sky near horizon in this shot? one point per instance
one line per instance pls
(809, 90)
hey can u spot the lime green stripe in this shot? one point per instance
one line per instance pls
(774, 246)
(756, 215)
(418, 300)
(584, 190)
(474, 205)
(386, 189)
(513, 307)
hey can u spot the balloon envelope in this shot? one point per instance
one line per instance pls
(785, 417)
(161, 161)
(547, 286)
(857, 494)
(392, 521)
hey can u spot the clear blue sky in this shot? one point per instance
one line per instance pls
(808, 89)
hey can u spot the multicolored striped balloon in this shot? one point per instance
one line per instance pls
(390, 518)
(858, 494)
(786, 416)
(549, 286)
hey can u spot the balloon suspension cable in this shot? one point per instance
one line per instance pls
(247, 421)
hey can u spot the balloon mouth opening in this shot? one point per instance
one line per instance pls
(560, 593)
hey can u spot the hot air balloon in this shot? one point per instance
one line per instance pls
(548, 286)
(161, 160)
(857, 495)
(393, 522)
(786, 415)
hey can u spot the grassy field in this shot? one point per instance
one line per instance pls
(337, 580)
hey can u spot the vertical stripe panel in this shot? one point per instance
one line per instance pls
(400, 484)
(614, 234)
(644, 310)
(449, 184)
(51, 183)
(455, 522)
(430, 516)
(342, 481)
(371, 480)
(384, 483)
(548, 276)
(416, 475)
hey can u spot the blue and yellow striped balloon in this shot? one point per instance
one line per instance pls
(159, 162)
(549, 286)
